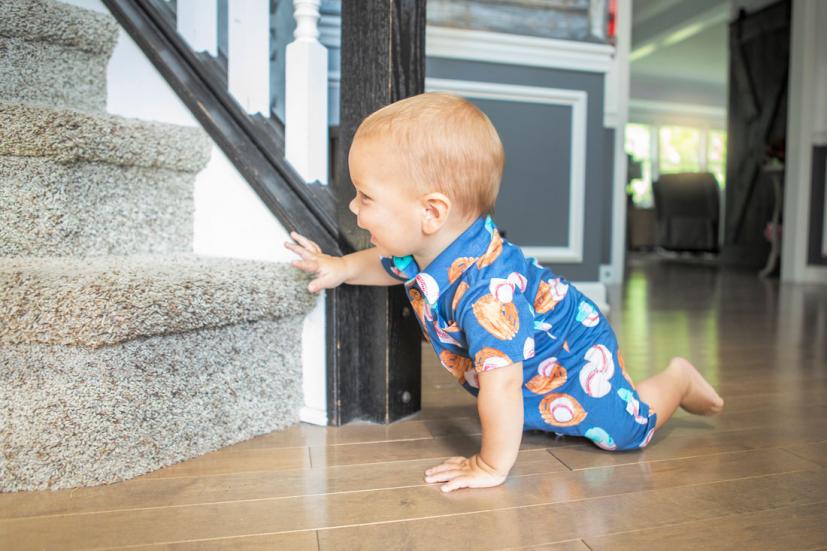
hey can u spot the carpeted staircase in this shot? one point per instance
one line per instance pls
(121, 351)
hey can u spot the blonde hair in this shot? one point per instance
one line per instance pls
(448, 145)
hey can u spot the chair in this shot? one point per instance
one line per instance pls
(686, 212)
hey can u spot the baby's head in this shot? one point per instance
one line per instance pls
(433, 152)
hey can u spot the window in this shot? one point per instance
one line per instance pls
(639, 147)
(679, 149)
(668, 149)
(716, 156)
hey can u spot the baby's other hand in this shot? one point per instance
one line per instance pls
(330, 270)
(459, 472)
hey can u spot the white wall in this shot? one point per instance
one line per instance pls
(806, 126)
(230, 219)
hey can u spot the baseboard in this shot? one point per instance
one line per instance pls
(313, 416)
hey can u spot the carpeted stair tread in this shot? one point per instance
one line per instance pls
(68, 135)
(99, 301)
(58, 23)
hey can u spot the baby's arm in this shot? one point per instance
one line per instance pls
(500, 405)
(359, 268)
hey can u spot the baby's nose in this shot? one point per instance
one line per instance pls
(352, 207)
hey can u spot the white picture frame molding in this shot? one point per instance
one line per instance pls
(577, 101)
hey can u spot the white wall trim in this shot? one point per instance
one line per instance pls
(513, 49)
(314, 364)
(313, 416)
(575, 99)
(617, 259)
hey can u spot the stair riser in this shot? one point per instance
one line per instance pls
(66, 135)
(92, 209)
(59, 23)
(52, 74)
(83, 417)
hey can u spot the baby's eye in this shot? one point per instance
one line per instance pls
(366, 199)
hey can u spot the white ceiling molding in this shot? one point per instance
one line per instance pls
(667, 112)
(513, 49)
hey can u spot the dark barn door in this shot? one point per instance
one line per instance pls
(759, 61)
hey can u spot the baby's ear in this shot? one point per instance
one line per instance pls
(437, 207)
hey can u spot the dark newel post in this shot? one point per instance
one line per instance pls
(373, 340)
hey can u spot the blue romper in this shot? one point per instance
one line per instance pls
(483, 305)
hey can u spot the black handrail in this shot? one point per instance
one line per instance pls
(256, 151)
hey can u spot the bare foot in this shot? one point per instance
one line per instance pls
(700, 397)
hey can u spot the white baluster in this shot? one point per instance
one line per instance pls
(197, 22)
(305, 101)
(248, 66)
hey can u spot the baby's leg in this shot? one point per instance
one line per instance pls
(679, 384)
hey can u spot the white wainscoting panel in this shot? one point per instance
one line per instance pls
(577, 100)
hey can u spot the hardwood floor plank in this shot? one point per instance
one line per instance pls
(667, 446)
(586, 518)
(780, 398)
(227, 461)
(782, 529)
(290, 541)
(144, 492)
(457, 444)
(682, 423)
(816, 452)
(221, 520)
(441, 411)
(570, 545)
(353, 433)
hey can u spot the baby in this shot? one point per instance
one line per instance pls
(535, 351)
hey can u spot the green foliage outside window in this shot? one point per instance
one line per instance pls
(638, 145)
(677, 149)
(716, 156)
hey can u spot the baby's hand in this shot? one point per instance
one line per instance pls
(459, 472)
(330, 270)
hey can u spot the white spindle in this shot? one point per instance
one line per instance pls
(197, 22)
(248, 66)
(305, 99)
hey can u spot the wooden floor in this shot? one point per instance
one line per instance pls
(752, 478)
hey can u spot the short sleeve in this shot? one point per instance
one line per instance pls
(498, 323)
(402, 268)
